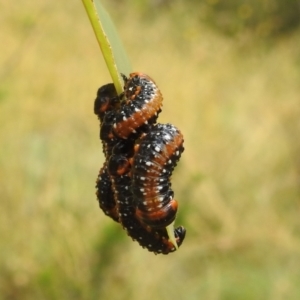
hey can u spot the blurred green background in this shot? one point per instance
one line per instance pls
(230, 76)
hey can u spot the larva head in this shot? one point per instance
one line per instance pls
(118, 165)
(180, 235)
(106, 130)
(106, 100)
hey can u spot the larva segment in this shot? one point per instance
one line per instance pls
(105, 195)
(155, 240)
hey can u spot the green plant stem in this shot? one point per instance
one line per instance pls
(103, 43)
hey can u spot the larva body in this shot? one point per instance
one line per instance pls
(155, 240)
(105, 105)
(105, 195)
(154, 161)
(142, 104)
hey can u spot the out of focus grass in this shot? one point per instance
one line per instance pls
(237, 184)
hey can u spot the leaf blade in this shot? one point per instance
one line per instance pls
(110, 44)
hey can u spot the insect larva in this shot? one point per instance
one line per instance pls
(104, 106)
(155, 240)
(154, 161)
(142, 104)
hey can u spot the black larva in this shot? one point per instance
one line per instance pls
(155, 158)
(133, 186)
